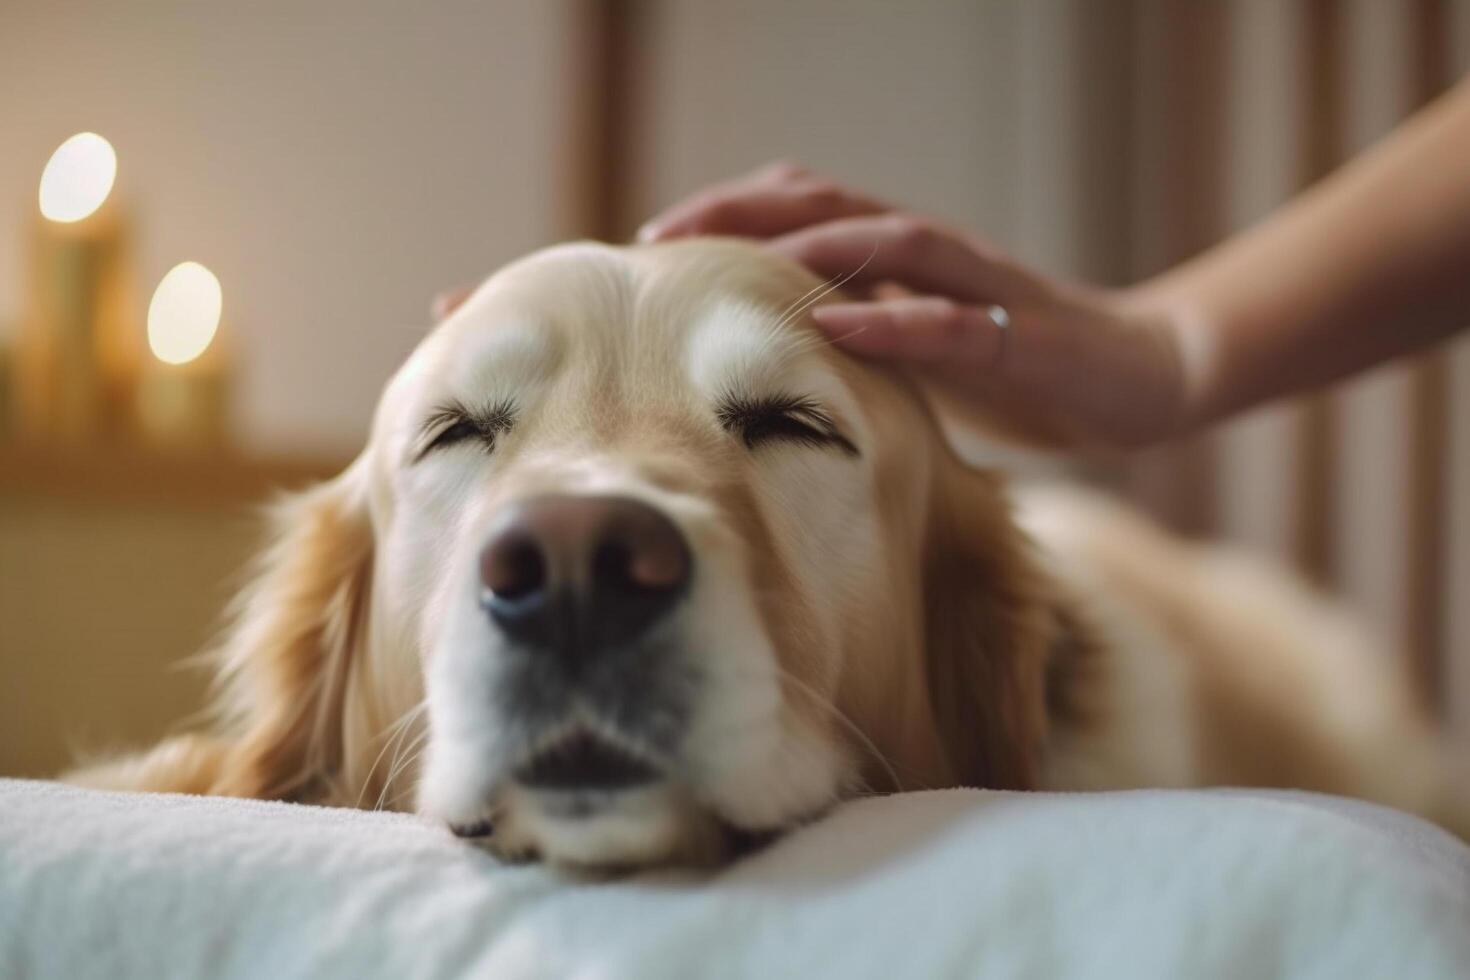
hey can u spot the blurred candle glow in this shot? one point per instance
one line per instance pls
(183, 392)
(184, 313)
(78, 178)
(79, 349)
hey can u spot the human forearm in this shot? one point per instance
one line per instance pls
(1372, 263)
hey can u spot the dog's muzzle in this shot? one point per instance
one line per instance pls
(582, 589)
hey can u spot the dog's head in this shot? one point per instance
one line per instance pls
(634, 563)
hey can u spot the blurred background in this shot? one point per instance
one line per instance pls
(293, 182)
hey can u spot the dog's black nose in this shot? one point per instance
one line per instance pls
(578, 574)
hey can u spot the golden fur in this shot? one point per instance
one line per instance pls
(946, 637)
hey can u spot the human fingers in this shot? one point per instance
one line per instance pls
(910, 251)
(449, 301)
(773, 201)
(926, 330)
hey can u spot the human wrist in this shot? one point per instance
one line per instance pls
(1184, 329)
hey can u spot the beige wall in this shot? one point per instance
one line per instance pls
(914, 100)
(100, 603)
(336, 162)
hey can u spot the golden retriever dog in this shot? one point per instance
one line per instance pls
(635, 567)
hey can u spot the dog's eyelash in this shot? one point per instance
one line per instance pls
(782, 417)
(454, 424)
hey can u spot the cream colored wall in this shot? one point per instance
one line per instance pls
(99, 604)
(336, 162)
(915, 100)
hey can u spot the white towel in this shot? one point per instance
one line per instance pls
(955, 883)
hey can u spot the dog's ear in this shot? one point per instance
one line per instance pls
(283, 662)
(287, 655)
(987, 631)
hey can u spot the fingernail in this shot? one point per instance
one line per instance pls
(647, 233)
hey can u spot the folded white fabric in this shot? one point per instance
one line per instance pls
(955, 883)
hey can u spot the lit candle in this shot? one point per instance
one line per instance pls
(182, 393)
(77, 353)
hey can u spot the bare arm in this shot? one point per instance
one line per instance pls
(1372, 263)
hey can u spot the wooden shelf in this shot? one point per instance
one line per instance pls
(135, 475)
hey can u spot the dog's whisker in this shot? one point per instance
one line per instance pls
(400, 758)
(781, 317)
(398, 767)
(789, 311)
(852, 727)
(398, 797)
(392, 733)
(847, 723)
(409, 762)
(805, 303)
(833, 341)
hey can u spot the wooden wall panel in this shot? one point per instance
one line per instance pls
(1256, 477)
(1456, 592)
(1456, 667)
(1371, 468)
(1429, 51)
(1320, 149)
(1182, 90)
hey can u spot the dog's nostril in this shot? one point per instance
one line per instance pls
(582, 572)
(612, 566)
(621, 568)
(513, 568)
(662, 561)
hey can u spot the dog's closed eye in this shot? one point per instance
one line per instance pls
(455, 424)
(782, 418)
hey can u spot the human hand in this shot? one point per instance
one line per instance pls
(1064, 362)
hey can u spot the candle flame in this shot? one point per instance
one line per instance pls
(78, 178)
(184, 314)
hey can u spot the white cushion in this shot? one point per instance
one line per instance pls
(955, 883)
